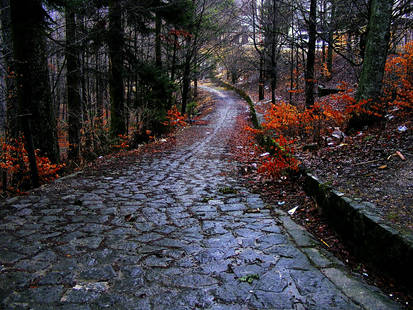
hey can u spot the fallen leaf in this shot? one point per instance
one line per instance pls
(325, 243)
(400, 155)
(253, 210)
(292, 211)
(383, 167)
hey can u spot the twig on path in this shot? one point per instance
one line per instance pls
(367, 162)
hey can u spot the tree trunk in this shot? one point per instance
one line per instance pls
(85, 114)
(7, 52)
(115, 42)
(186, 77)
(11, 113)
(330, 39)
(261, 79)
(375, 56)
(158, 50)
(291, 70)
(33, 94)
(196, 74)
(99, 89)
(73, 86)
(274, 63)
(173, 66)
(309, 73)
(274, 52)
(273, 80)
(234, 77)
(323, 52)
(323, 24)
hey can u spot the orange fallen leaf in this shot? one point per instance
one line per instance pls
(383, 167)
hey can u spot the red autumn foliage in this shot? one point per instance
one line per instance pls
(15, 161)
(175, 119)
(123, 142)
(285, 123)
(398, 79)
(280, 157)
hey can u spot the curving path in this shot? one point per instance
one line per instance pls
(170, 231)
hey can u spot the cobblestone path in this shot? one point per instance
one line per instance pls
(170, 231)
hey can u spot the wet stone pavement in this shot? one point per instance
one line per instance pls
(171, 231)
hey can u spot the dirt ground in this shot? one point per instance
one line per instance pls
(374, 165)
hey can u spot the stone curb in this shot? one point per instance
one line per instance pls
(389, 250)
(367, 296)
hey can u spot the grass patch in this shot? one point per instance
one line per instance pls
(228, 190)
(249, 278)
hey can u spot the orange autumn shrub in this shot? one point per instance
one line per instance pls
(285, 124)
(122, 142)
(398, 79)
(174, 118)
(288, 120)
(279, 158)
(282, 117)
(15, 161)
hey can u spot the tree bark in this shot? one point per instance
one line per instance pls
(73, 86)
(173, 65)
(33, 94)
(7, 52)
(99, 87)
(115, 42)
(196, 74)
(158, 50)
(261, 80)
(186, 77)
(309, 73)
(274, 51)
(375, 56)
(11, 113)
(330, 39)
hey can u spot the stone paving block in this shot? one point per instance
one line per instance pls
(159, 234)
(98, 273)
